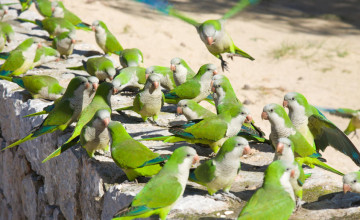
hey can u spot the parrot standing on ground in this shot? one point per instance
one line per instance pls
(44, 55)
(131, 77)
(105, 39)
(59, 11)
(64, 43)
(131, 57)
(193, 110)
(165, 74)
(182, 71)
(351, 182)
(134, 158)
(160, 194)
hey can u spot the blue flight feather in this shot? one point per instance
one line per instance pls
(18, 81)
(160, 5)
(156, 160)
(43, 130)
(5, 72)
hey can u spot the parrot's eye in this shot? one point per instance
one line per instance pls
(188, 155)
(287, 169)
(178, 64)
(271, 110)
(185, 105)
(354, 181)
(293, 98)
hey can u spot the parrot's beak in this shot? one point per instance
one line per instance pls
(147, 76)
(39, 45)
(280, 148)
(248, 119)
(210, 40)
(215, 72)
(73, 41)
(196, 159)
(5, 12)
(179, 110)
(212, 87)
(156, 84)
(246, 150)
(292, 174)
(52, 9)
(346, 188)
(285, 103)
(264, 116)
(115, 91)
(106, 121)
(111, 78)
(173, 67)
(87, 85)
(93, 28)
(95, 86)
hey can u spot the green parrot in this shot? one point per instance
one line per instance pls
(4, 9)
(105, 39)
(43, 7)
(100, 66)
(89, 94)
(134, 158)
(282, 127)
(148, 102)
(181, 71)
(212, 131)
(160, 194)
(101, 100)
(197, 88)
(54, 26)
(285, 151)
(64, 113)
(25, 4)
(59, 11)
(95, 135)
(354, 116)
(6, 29)
(220, 172)
(64, 43)
(20, 59)
(316, 128)
(192, 110)
(351, 182)
(39, 86)
(131, 57)
(131, 77)
(211, 32)
(167, 78)
(45, 55)
(275, 199)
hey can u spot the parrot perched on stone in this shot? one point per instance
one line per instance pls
(212, 131)
(275, 199)
(181, 71)
(59, 11)
(282, 127)
(131, 57)
(25, 4)
(211, 32)
(64, 113)
(220, 172)
(316, 128)
(45, 55)
(100, 66)
(39, 86)
(160, 194)
(89, 94)
(351, 182)
(64, 43)
(193, 110)
(354, 116)
(105, 39)
(134, 158)
(165, 74)
(54, 26)
(20, 59)
(7, 29)
(197, 88)
(285, 151)
(148, 102)
(95, 135)
(131, 77)
(101, 100)
(43, 7)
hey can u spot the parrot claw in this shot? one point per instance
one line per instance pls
(224, 64)
(232, 196)
(217, 197)
(299, 204)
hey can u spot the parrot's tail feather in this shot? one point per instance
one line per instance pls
(61, 149)
(161, 138)
(241, 5)
(83, 26)
(160, 5)
(27, 138)
(19, 81)
(157, 160)
(125, 108)
(5, 72)
(8, 78)
(76, 68)
(26, 20)
(255, 138)
(4, 55)
(171, 96)
(243, 53)
(315, 161)
(35, 114)
(179, 131)
(132, 211)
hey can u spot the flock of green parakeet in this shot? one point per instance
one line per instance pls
(296, 137)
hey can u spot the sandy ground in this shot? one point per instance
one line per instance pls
(294, 52)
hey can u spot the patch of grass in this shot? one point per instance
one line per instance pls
(342, 54)
(313, 194)
(326, 69)
(285, 50)
(126, 29)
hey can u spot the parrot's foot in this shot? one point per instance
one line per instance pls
(213, 154)
(224, 65)
(232, 196)
(217, 197)
(232, 55)
(299, 204)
